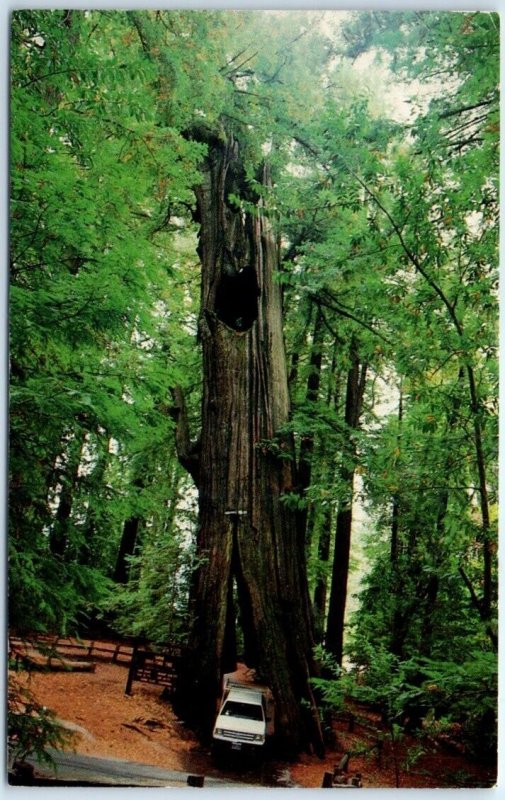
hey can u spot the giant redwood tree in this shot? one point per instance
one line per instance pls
(249, 549)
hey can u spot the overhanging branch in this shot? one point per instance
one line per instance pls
(335, 306)
(188, 451)
(479, 605)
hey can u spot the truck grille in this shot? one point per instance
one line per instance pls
(244, 737)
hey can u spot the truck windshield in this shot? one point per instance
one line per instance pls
(233, 708)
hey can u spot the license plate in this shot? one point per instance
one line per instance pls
(236, 746)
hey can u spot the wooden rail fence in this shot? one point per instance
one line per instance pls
(53, 647)
(146, 664)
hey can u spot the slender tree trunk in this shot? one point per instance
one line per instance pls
(395, 513)
(94, 486)
(321, 588)
(487, 546)
(247, 536)
(334, 641)
(484, 604)
(59, 534)
(398, 617)
(333, 394)
(128, 541)
(126, 549)
(307, 442)
(300, 342)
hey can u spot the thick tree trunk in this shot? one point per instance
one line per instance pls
(248, 539)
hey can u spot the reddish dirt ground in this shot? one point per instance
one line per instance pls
(143, 728)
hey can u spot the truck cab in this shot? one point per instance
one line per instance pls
(241, 720)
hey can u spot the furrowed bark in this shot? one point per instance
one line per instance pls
(248, 539)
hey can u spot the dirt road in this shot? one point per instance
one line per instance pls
(89, 770)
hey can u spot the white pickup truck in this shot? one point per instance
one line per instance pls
(242, 716)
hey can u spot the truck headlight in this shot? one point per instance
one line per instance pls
(219, 732)
(258, 737)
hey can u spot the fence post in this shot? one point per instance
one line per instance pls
(327, 781)
(131, 671)
(196, 780)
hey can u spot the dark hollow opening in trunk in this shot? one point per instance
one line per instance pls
(237, 299)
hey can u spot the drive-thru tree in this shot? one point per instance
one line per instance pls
(252, 557)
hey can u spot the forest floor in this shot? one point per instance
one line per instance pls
(143, 728)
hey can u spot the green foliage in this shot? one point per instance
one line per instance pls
(446, 698)
(393, 232)
(154, 602)
(465, 692)
(333, 691)
(94, 170)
